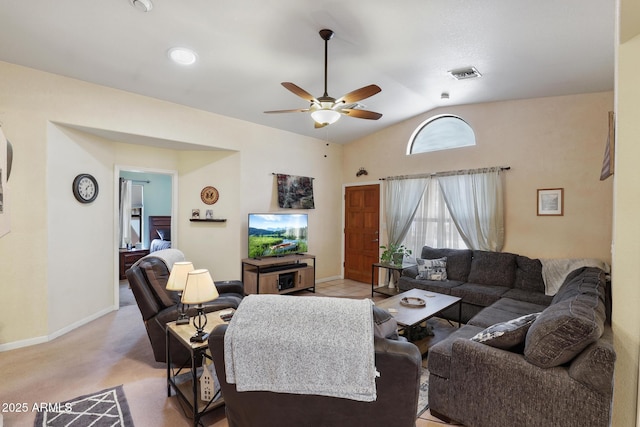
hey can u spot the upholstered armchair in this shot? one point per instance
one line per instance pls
(148, 280)
(399, 364)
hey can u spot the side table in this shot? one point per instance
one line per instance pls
(184, 379)
(391, 268)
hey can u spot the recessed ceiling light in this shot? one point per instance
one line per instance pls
(182, 55)
(143, 5)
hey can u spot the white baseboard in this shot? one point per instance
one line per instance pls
(328, 279)
(40, 340)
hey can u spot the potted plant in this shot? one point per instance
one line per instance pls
(394, 254)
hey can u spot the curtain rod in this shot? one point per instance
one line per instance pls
(447, 173)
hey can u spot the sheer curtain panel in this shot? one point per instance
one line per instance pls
(402, 197)
(125, 212)
(475, 202)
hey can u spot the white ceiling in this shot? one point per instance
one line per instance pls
(246, 48)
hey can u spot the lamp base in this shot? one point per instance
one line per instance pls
(200, 336)
(183, 319)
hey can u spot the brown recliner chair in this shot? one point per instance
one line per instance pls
(148, 279)
(397, 389)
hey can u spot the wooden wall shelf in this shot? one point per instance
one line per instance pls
(207, 220)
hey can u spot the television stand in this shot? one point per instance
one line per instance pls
(279, 275)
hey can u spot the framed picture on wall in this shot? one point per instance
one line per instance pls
(551, 202)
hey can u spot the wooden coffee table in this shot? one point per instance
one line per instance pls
(411, 316)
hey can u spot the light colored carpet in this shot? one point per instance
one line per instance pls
(109, 351)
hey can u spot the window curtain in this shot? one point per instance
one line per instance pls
(475, 202)
(125, 212)
(432, 224)
(402, 197)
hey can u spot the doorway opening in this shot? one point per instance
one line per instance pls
(159, 196)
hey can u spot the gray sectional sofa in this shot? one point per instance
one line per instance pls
(523, 358)
(480, 278)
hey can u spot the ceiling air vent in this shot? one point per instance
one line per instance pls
(465, 73)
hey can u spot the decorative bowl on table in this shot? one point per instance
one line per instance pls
(413, 302)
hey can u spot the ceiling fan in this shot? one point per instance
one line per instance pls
(325, 109)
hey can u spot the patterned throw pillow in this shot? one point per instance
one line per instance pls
(506, 335)
(432, 269)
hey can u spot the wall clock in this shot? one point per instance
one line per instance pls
(209, 195)
(85, 188)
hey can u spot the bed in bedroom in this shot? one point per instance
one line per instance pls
(159, 233)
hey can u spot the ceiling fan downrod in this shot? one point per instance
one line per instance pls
(326, 36)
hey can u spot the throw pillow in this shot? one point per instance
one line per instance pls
(564, 329)
(384, 324)
(506, 335)
(432, 269)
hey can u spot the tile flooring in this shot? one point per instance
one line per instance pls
(351, 289)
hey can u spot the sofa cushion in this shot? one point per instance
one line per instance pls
(493, 268)
(564, 329)
(157, 275)
(504, 310)
(506, 335)
(528, 296)
(439, 286)
(529, 274)
(458, 261)
(384, 324)
(582, 281)
(432, 269)
(482, 295)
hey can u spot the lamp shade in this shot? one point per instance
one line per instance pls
(178, 276)
(199, 287)
(325, 116)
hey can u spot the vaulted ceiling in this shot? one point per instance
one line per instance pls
(246, 48)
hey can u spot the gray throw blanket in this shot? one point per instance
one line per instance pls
(302, 345)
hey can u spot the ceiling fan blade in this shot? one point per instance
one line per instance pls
(361, 114)
(299, 91)
(320, 125)
(299, 110)
(359, 94)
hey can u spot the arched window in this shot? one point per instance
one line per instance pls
(441, 133)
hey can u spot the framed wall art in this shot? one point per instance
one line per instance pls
(551, 202)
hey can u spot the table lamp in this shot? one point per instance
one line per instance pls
(176, 282)
(198, 289)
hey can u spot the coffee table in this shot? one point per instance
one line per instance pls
(412, 316)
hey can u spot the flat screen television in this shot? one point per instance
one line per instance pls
(277, 234)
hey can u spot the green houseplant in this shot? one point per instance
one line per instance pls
(394, 253)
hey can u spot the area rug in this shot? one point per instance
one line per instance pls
(423, 397)
(105, 408)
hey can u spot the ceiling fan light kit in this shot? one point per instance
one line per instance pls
(325, 109)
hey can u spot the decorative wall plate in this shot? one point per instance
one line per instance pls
(209, 195)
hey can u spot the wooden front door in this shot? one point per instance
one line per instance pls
(361, 231)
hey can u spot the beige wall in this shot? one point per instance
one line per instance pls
(59, 260)
(626, 248)
(555, 142)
